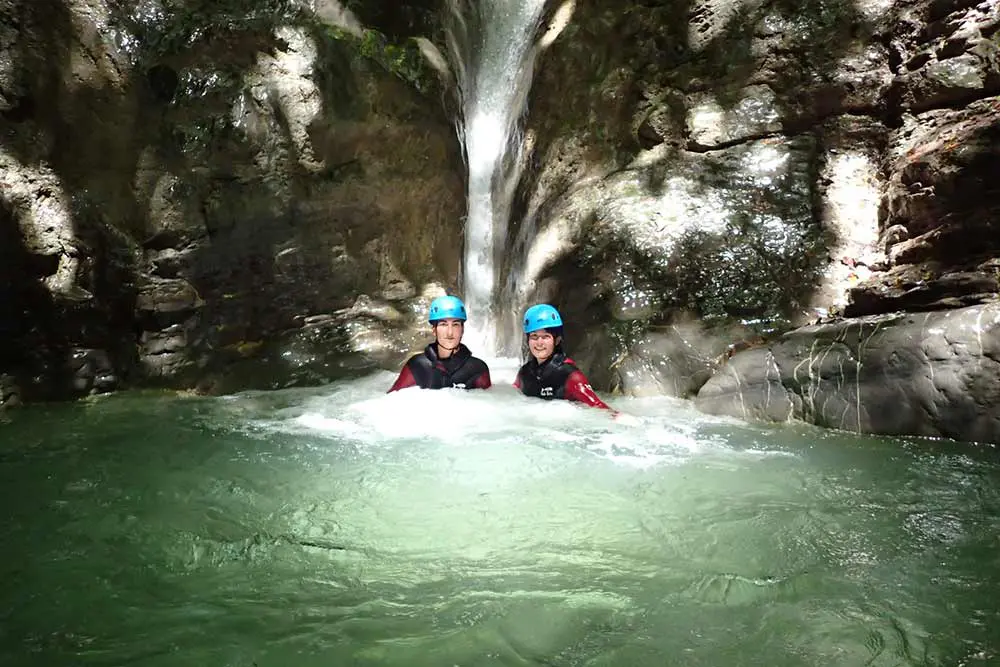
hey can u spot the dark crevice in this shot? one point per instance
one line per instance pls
(957, 104)
(693, 147)
(163, 82)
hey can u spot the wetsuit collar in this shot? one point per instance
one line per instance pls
(461, 352)
(557, 359)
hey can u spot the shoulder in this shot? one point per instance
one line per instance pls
(568, 369)
(420, 359)
(479, 363)
(564, 363)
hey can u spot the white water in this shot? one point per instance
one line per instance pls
(492, 50)
(652, 432)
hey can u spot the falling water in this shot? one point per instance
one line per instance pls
(492, 50)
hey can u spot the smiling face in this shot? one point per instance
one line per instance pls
(542, 344)
(448, 334)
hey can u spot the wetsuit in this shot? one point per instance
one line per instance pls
(557, 377)
(460, 370)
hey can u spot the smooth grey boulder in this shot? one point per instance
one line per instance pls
(928, 374)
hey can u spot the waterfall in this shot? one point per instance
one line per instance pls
(492, 50)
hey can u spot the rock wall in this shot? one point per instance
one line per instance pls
(262, 192)
(708, 175)
(228, 194)
(700, 171)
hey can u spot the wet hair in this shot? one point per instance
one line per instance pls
(557, 332)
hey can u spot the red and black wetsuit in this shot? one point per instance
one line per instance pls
(557, 377)
(426, 370)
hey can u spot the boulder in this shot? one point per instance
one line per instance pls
(930, 374)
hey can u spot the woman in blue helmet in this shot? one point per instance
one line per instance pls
(550, 373)
(445, 362)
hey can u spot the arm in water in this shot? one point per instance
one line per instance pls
(404, 380)
(578, 389)
(482, 380)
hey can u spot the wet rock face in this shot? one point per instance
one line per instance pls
(881, 122)
(10, 392)
(182, 189)
(932, 374)
(939, 213)
(947, 52)
(729, 235)
(370, 334)
(65, 291)
(724, 167)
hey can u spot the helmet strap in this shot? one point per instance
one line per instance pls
(441, 346)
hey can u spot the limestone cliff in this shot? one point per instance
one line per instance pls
(709, 175)
(201, 192)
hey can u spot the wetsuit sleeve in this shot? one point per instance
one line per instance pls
(578, 389)
(404, 380)
(483, 380)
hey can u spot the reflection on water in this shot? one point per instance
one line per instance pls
(342, 526)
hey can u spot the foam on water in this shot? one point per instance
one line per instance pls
(650, 432)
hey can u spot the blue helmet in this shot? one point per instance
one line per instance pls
(446, 307)
(541, 316)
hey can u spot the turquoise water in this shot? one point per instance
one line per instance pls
(340, 526)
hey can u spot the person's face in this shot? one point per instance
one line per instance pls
(542, 344)
(448, 333)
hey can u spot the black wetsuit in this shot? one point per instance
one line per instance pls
(461, 370)
(546, 380)
(557, 378)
